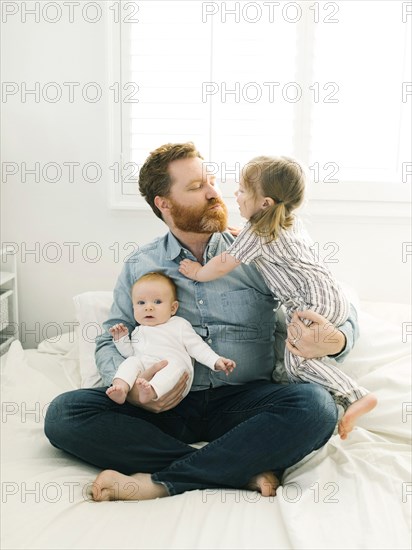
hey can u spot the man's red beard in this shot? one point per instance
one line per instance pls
(199, 219)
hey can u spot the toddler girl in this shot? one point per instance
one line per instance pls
(271, 188)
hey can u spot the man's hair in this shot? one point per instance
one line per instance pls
(154, 178)
(157, 276)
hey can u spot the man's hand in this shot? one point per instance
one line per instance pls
(189, 268)
(318, 339)
(169, 399)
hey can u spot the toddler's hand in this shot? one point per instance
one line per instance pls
(226, 365)
(234, 230)
(118, 331)
(189, 268)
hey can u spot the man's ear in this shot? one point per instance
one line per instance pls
(175, 306)
(162, 203)
(267, 202)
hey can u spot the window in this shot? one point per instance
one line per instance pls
(327, 83)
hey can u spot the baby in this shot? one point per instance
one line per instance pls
(155, 303)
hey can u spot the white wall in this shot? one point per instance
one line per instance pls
(369, 249)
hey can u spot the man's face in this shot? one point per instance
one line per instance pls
(195, 203)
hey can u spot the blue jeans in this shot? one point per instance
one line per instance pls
(251, 428)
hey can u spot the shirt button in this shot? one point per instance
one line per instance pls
(200, 301)
(209, 341)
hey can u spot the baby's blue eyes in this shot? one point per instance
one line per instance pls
(142, 303)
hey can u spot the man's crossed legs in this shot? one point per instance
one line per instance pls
(255, 431)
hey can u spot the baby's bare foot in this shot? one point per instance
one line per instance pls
(353, 412)
(146, 392)
(265, 483)
(112, 485)
(117, 393)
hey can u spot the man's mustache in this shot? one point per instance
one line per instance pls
(215, 200)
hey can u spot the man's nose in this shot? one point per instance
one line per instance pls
(211, 192)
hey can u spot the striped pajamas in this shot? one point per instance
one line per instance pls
(300, 281)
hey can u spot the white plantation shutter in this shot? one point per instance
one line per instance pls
(169, 59)
(228, 81)
(368, 132)
(255, 61)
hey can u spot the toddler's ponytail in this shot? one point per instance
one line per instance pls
(281, 179)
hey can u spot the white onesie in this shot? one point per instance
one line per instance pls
(176, 341)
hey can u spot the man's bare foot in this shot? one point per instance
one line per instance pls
(118, 393)
(265, 483)
(353, 412)
(112, 485)
(146, 392)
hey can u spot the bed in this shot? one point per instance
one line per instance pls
(349, 494)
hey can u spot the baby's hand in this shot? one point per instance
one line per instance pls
(189, 268)
(227, 365)
(118, 331)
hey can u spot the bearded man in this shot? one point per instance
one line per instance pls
(255, 428)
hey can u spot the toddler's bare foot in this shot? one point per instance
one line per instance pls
(112, 485)
(146, 392)
(353, 412)
(265, 483)
(117, 393)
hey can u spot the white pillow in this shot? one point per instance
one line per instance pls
(61, 344)
(351, 294)
(92, 309)
(66, 348)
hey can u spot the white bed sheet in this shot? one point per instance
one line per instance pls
(350, 494)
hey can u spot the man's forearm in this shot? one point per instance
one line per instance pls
(107, 358)
(350, 331)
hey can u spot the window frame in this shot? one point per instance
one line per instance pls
(327, 200)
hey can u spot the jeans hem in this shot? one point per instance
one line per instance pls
(168, 486)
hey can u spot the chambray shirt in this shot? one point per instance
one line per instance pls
(235, 315)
